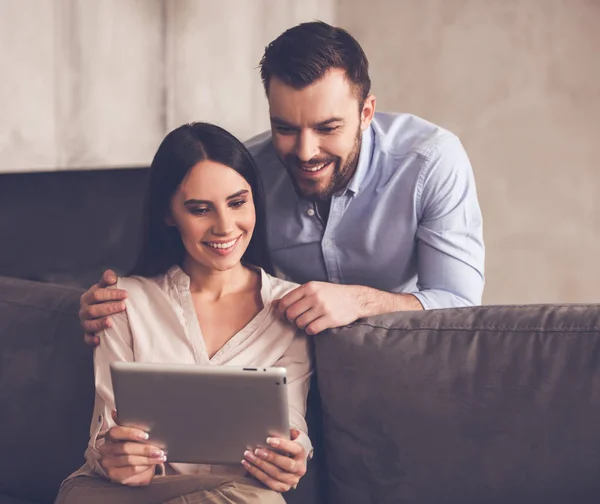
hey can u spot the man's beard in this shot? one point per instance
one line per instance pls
(338, 180)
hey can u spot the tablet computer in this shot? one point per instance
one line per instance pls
(202, 414)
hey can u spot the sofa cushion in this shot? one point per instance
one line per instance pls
(471, 405)
(46, 388)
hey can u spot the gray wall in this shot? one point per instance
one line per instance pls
(97, 84)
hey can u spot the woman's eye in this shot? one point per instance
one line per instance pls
(198, 211)
(237, 203)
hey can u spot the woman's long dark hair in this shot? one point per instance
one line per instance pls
(182, 149)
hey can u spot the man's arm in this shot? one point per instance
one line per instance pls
(316, 306)
(450, 249)
(97, 304)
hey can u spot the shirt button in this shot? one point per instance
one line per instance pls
(310, 212)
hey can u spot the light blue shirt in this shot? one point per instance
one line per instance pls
(408, 221)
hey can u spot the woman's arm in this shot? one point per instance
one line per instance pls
(281, 467)
(298, 363)
(116, 345)
(115, 452)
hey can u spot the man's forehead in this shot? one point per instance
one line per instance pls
(330, 97)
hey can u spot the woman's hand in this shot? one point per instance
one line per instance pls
(126, 459)
(280, 468)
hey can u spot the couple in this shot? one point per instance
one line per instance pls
(372, 213)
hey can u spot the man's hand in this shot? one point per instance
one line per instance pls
(127, 460)
(97, 304)
(316, 306)
(281, 467)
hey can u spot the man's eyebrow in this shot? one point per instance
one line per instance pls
(280, 122)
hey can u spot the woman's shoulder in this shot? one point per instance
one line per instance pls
(279, 286)
(139, 287)
(137, 282)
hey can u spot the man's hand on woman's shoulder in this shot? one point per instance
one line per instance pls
(97, 304)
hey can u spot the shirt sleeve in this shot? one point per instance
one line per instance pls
(450, 246)
(115, 345)
(298, 364)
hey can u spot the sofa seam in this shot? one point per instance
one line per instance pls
(482, 328)
(43, 308)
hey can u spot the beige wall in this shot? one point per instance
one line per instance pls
(98, 83)
(519, 81)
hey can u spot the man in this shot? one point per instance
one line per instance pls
(371, 212)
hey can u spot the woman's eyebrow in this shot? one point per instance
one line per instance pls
(243, 192)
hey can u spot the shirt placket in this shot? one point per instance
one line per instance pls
(328, 247)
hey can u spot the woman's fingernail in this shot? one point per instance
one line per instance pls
(273, 441)
(260, 453)
(250, 455)
(245, 463)
(156, 453)
(142, 435)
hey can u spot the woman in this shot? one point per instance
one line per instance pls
(200, 293)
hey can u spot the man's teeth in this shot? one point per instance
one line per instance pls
(222, 245)
(314, 168)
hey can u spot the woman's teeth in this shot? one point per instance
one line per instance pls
(226, 245)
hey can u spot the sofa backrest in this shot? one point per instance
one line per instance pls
(46, 388)
(471, 405)
(68, 226)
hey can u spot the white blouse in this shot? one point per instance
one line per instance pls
(160, 325)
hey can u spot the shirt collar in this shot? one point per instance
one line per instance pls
(364, 161)
(182, 281)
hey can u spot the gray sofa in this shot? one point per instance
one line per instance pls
(474, 405)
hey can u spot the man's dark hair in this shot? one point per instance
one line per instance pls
(303, 54)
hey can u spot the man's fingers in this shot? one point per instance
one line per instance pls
(318, 325)
(91, 339)
(109, 277)
(92, 326)
(95, 311)
(300, 309)
(103, 295)
(290, 298)
(308, 317)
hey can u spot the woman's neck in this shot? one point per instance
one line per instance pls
(213, 284)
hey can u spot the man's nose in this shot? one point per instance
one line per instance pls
(307, 146)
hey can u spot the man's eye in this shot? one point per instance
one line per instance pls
(328, 129)
(237, 203)
(284, 131)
